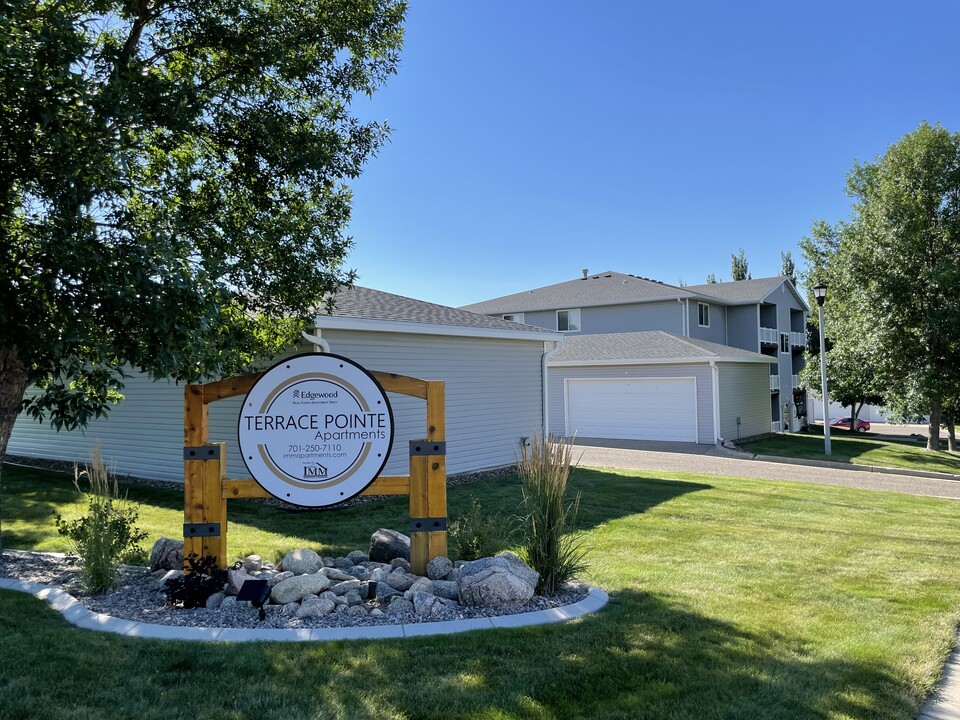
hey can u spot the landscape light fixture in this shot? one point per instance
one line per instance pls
(820, 293)
(257, 592)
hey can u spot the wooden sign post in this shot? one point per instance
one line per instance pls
(207, 488)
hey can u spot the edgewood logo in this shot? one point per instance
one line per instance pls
(315, 429)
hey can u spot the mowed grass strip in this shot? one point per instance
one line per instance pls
(730, 599)
(859, 449)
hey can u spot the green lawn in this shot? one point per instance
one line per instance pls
(860, 449)
(729, 599)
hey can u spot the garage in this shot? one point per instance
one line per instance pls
(655, 408)
(656, 386)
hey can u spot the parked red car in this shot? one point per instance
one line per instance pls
(862, 425)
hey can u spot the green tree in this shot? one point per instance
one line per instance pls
(787, 267)
(738, 266)
(711, 279)
(854, 376)
(172, 185)
(897, 268)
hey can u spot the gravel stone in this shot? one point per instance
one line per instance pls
(400, 562)
(136, 599)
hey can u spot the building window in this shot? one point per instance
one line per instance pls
(514, 317)
(703, 311)
(568, 320)
(784, 342)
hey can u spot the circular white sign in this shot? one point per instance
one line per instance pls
(315, 429)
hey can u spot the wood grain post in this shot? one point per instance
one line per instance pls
(428, 485)
(194, 435)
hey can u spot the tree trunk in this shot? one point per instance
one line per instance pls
(952, 436)
(13, 384)
(855, 410)
(933, 439)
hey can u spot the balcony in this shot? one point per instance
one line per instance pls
(795, 382)
(798, 341)
(775, 427)
(775, 383)
(769, 336)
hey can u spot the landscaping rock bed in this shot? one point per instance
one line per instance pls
(315, 592)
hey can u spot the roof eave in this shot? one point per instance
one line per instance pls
(661, 361)
(571, 306)
(340, 322)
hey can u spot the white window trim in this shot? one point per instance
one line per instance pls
(514, 317)
(787, 351)
(700, 314)
(569, 311)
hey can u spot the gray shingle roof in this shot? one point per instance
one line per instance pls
(739, 291)
(653, 345)
(607, 288)
(368, 304)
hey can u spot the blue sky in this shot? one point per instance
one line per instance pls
(533, 139)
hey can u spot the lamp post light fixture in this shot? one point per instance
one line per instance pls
(820, 293)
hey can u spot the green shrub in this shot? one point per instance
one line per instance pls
(202, 579)
(547, 546)
(477, 534)
(108, 533)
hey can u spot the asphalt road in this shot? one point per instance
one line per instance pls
(708, 460)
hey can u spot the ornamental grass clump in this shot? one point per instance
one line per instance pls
(108, 532)
(549, 544)
(478, 534)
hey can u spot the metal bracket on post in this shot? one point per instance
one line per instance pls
(425, 447)
(202, 452)
(436, 524)
(201, 530)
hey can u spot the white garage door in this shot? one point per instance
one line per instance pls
(633, 409)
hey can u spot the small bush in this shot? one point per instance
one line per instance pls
(477, 534)
(548, 546)
(108, 533)
(202, 579)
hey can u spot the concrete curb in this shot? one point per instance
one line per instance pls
(75, 613)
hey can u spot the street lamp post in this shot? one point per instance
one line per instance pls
(820, 292)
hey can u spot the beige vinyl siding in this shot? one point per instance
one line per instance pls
(492, 400)
(702, 373)
(744, 393)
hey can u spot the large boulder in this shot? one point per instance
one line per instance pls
(167, 554)
(439, 568)
(400, 580)
(298, 587)
(313, 606)
(236, 579)
(385, 545)
(501, 581)
(302, 562)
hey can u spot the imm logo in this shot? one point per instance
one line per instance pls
(314, 470)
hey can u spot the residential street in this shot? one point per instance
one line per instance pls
(687, 457)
